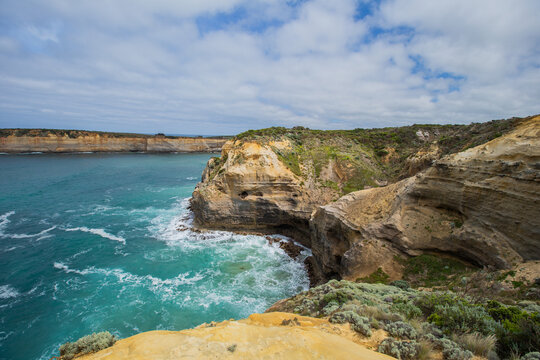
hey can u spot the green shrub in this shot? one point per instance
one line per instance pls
(461, 318)
(401, 330)
(402, 284)
(358, 323)
(531, 356)
(402, 350)
(87, 344)
(376, 277)
(431, 270)
(330, 308)
(339, 296)
(456, 353)
(408, 309)
(520, 330)
(450, 349)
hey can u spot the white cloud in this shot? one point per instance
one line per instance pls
(146, 66)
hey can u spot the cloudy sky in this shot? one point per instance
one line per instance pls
(225, 66)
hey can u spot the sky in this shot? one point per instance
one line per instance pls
(225, 66)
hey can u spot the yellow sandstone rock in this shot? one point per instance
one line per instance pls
(261, 336)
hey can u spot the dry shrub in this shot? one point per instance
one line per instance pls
(479, 344)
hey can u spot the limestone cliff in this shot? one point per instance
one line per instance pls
(481, 205)
(250, 188)
(470, 191)
(32, 140)
(261, 336)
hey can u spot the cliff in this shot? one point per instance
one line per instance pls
(468, 191)
(481, 205)
(261, 336)
(36, 140)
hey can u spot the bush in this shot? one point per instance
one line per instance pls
(531, 356)
(520, 330)
(87, 344)
(428, 301)
(402, 284)
(462, 317)
(330, 308)
(402, 350)
(401, 330)
(456, 353)
(409, 310)
(450, 349)
(376, 277)
(358, 323)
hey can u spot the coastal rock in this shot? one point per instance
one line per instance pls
(261, 336)
(250, 189)
(481, 205)
(106, 142)
(469, 191)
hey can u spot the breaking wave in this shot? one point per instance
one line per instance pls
(100, 232)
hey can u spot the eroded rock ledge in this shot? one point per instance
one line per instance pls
(481, 205)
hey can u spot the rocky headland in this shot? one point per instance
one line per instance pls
(362, 199)
(61, 141)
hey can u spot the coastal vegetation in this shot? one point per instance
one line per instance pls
(419, 323)
(86, 345)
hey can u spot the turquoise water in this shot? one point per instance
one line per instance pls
(90, 242)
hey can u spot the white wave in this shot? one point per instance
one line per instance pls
(270, 272)
(3, 153)
(11, 248)
(168, 288)
(7, 291)
(100, 232)
(4, 221)
(191, 178)
(4, 335)
(39, 234)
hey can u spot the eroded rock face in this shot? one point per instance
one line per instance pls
(103, 143)
(261, 336)
(482, 205)
(251, 189)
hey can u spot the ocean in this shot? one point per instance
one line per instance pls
(95, 242)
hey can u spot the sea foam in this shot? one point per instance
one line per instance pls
(40, 235)
(7, 291)
(4, 220)
(100, 232)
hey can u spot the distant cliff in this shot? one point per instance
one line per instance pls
(480, 204)
(57, 141)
